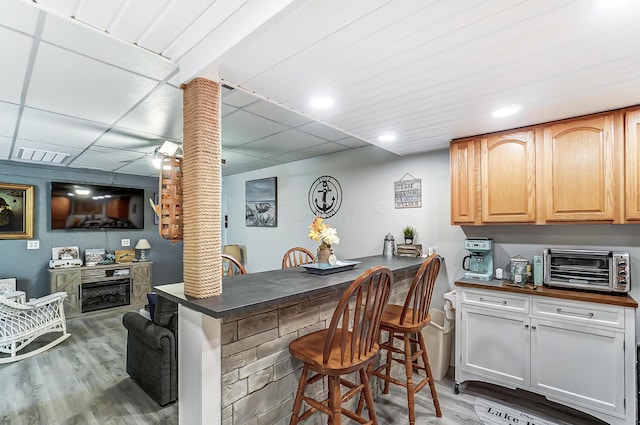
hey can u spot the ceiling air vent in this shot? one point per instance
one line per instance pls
(37, 155)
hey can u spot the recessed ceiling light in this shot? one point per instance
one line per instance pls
(387, 137)
(506, 111)
(321, 102)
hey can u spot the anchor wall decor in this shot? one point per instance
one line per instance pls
(325, 196)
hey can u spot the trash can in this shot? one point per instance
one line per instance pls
(438, 337)
(450, 305)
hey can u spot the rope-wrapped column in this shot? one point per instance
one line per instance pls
(202, 189)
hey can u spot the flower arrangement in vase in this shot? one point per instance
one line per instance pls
(326, 235)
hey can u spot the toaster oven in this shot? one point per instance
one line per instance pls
(602, 271)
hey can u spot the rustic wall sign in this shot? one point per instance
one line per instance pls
(408, 192)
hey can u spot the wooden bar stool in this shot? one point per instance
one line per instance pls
(403, 321)
(296, 257)
(231, 266)
(349, 344)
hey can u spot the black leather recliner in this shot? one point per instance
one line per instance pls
(152, 351)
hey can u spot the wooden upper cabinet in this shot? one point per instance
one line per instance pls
(464, 182)
(508, 170)
(632, 165)
(581, 172)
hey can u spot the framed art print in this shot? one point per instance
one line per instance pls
(16, 211)
(261, 202)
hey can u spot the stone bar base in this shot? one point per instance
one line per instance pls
(259, 376)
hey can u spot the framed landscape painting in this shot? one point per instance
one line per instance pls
(261, 202)
(16, 211)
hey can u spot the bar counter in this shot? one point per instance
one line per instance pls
(234, 365)
(242, 294)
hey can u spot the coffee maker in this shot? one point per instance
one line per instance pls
(478, 265)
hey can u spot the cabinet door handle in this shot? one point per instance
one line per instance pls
(534, 327)
(503, 302)
(571, 313)
(526, 326)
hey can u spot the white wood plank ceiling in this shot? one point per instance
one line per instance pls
(99, 81)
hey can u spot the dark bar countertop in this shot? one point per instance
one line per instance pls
(245, 293)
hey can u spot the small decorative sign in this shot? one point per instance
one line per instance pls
(93, 257)
(408, 192)
(125, 255)
(65, 253)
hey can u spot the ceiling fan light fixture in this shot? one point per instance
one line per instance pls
(170, 149)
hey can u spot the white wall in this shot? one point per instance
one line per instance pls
(368, 214)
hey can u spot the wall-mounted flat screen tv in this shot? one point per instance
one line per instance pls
(92, 207)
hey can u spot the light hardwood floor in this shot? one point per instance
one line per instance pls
(83, 381)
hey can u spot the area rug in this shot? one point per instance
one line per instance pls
(491, 413)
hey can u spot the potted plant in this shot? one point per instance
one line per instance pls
(409, 233)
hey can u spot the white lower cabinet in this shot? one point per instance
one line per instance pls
(581, 365)
(580, 354)
(497, 355)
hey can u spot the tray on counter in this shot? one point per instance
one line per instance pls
(323, 268)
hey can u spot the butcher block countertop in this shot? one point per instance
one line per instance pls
(623, 300)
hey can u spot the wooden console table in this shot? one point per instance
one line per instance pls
(71, 280)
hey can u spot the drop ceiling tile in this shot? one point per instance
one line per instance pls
(16, 49)
(311, 152)
(102, 46)
(102, 158)
(78, 86)
(142, 167)
(20, 15)
(352, 142)
(122, 138)
(160, 113)
(277, 113)
(249, 166)
(323, 131)
(278, 144)
(242, 127)
(5, 146)
(47, 127)
(8, 117)
(233, 158)
(237, 97)
(227, 109)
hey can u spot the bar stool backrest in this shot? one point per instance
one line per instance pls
(231, 266)
(416, 305)
(359, 312)
(297, 256)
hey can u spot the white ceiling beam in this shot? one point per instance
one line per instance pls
(202, 59)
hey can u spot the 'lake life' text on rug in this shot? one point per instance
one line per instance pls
(491, 413)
